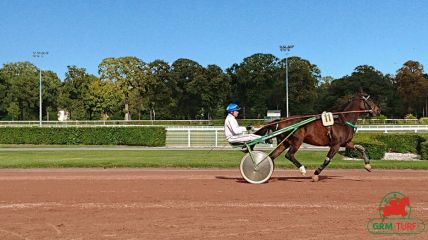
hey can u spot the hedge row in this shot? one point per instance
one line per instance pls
(141, 136)
(377, 144)
(424, 150)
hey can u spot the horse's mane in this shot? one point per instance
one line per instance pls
(345, 101)
(340, 106)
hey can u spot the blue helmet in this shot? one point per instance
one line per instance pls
(232, 107)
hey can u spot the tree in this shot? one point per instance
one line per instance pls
(22, 84)
(253, 83)
(103, 99)
(76, 87)
(303, 81)
(13, 111)
(183, 73)
(160, 100)
(210, 90)
(50, 93)
(124, 72)
(152, 93)
(3, 92)
(412, 87)
(379, 86)
(322, 92)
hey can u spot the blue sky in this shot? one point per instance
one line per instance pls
(337, 35)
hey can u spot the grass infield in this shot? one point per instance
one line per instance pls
(112, 158)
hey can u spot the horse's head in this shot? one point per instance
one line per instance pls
(370, 105)
(366, 103)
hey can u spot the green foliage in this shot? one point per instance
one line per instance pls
(141, 136)
(423, 120)
(423, 147)
(84, 96)
(412, 87)
(304, 78)
(258, 84)
(187, 90)
(187, 75)
(377, 144)
(409, 117)
(379, 86)
(377, 120)
(13, 111)
(22, 80)
(401, 143)
(424, 150)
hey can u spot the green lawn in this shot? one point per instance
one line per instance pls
(173, 158)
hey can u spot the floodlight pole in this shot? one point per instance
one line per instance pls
(40, 55)
(286, 49)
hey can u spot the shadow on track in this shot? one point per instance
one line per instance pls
(275, 179)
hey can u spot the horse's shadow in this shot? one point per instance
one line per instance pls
(292, 179)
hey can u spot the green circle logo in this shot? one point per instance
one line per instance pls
(394, 216)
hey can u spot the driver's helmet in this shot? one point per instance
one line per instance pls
(232, 107)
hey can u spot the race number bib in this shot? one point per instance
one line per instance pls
(327, 119)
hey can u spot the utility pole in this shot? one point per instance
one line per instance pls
(40, 55)
(286, 49)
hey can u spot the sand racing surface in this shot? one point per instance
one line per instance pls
(200, 204)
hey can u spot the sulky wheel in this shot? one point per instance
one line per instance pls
(258, 172)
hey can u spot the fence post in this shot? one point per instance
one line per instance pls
(188, 138)
(216, 137)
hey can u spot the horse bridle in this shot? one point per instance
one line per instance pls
(366, 103)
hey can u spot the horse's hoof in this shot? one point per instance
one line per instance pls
(302, 170)
(368, 167)
(315, 178)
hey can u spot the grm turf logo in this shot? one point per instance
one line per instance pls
(394, 216)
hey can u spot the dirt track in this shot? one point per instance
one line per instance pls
(199, 204)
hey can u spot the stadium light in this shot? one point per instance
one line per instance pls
(286, 49)
(40, 55)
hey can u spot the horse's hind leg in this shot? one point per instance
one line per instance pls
(278, 151)
(333, 150)
(290, 156)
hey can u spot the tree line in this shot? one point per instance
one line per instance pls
(129, 88)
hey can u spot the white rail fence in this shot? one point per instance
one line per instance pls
(393, 128)
(195, 137)
(214, 136)
(207, 123)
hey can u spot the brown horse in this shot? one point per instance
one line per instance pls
(338, 135)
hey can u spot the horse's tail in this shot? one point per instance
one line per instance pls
(262, 131)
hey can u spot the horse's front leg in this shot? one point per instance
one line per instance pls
(333, 150)
(363, 153)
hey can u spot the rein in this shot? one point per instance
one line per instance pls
(316, 115)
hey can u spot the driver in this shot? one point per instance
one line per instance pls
(232, 131)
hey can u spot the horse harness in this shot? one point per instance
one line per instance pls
(331, 121)
(333, 116)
